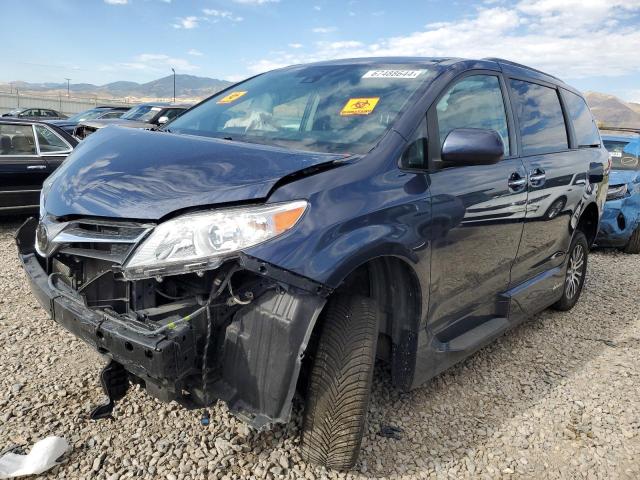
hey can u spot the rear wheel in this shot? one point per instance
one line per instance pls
(576, 272)
(340, 384)
(634, 242)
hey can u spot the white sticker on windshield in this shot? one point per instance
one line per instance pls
(392, 74)
(616, 154)
(155, 109)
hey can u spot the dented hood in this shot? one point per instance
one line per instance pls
(138, 174)
(618, 177)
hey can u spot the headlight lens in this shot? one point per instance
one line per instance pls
(616, 192)
(201, 240)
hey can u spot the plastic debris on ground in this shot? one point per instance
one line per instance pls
(42, 457)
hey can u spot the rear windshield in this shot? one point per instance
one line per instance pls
(87, 115)
(624, 154)
(143, 113)
(336, 108)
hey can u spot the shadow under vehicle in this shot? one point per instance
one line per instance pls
(145, 115)
(30, 151)
(620, 223)
(283, 233)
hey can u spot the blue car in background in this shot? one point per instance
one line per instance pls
(620, 223)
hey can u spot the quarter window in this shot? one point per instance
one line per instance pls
(49, 142)
(474, 102)
(583, 123)
(542, 127)
(17, 140)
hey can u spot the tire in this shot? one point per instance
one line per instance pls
(340, 383)
(634, 242)
(575, 274)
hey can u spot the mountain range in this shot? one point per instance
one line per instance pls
(610, 110)
(187, 86)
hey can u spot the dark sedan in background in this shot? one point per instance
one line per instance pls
(101, 112)
(35, 114)
(145, 115)
(30, 151)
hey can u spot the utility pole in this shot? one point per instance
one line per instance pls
(174, 84)
(68, 80)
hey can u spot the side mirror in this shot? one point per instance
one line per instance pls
(162, 120)
(472, 146)
(596, 172)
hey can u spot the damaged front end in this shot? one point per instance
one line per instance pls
(235, 329)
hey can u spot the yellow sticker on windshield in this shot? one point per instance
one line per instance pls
(232, 97)
(359, 106)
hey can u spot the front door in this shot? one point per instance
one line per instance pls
(478, 211)
(22, 170)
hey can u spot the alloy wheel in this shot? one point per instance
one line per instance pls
(574, 271)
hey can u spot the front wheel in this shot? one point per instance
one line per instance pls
(576, 272)
(340, 383)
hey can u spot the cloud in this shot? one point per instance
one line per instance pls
(295, 45)
(570, 39)
(187, 22)
(116, 2)
(255, 2)
(152, 62)
(194, 52)
(317, 8)
(323, 29)
(224, 14)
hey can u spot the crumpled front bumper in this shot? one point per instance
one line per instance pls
(619, 220)
(259, 357)
(163, 360)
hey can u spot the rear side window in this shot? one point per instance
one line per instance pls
(542, 127)
(474, 102)
(583, 123)
(50, 142)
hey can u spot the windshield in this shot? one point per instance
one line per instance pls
(624, 154)
(143, 113)
(87, 115)
(328, 108)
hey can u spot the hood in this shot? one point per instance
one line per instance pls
(618, 177)
(145, 175)
(97, 124)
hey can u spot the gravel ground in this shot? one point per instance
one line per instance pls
(558, 397)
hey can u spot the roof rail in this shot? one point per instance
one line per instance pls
(620, 129)
(516, 64)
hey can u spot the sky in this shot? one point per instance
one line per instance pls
(591, 44)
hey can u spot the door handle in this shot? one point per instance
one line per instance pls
(537, 177)
(36, 167)
(516, 182)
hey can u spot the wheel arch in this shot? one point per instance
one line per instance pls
(393, 283)
(588, 222)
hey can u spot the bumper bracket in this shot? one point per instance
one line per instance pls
(115, 383)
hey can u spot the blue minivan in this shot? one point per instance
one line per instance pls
(284, 233)
(620, 223)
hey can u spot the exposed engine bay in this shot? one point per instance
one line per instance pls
(235, 333)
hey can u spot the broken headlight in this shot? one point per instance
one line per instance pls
(617, 192)
(200, 241)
